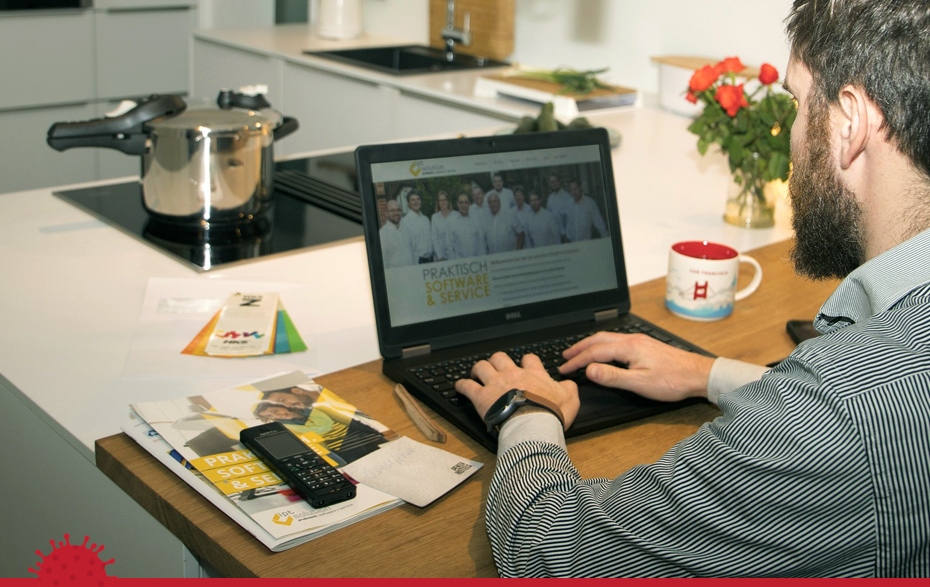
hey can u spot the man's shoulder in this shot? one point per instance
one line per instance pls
(867, 356)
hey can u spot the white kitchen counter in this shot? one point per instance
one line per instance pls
(288, 42)
(73, 290)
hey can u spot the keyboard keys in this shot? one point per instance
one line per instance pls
(441, 376)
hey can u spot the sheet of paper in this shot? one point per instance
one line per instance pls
(415, 472)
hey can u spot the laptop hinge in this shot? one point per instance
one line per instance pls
(606, 315)
(415, 351)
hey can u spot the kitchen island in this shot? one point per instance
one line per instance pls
(71, 360)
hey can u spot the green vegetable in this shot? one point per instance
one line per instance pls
(571, 80)
(580, 122)
(526, 124)
(546, 122)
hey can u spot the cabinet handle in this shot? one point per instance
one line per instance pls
(122, 10)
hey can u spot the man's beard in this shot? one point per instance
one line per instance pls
(827, 216)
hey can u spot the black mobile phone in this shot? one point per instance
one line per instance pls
(306, 472)
(801, 330)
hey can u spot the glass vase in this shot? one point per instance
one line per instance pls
(751, 203)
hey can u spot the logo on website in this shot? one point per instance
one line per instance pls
(415, 168)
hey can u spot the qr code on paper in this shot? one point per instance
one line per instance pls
(460, 468)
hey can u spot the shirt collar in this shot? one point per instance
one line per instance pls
(878, 284)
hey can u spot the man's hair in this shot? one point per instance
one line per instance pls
(880, 46)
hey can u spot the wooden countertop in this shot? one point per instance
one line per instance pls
(448, 538)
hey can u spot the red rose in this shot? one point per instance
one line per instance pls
(691, 97)
(731, 98)
(768, 74)
(731, 65)
(703, 79)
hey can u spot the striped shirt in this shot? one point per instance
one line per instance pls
(821, 468)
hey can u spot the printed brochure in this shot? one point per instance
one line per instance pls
(198, 438)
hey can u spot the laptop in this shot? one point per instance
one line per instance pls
(497, 278)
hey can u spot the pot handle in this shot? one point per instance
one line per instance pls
(287, 126)
(124, 133)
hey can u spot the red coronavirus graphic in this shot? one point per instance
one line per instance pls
(70, 564)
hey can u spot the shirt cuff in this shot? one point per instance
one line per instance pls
(729, 374)
(540, 426)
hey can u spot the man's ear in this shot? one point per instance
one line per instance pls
(856, 117)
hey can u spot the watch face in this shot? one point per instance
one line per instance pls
(498, 410)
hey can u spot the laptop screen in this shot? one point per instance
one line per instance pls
(468, 232)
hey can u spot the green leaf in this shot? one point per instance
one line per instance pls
(778, 167)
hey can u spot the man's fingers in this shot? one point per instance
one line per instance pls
(596, 353)
(531, 361)
(501, 361)
(468, 387)
(484, 369)
(594, 339)
(611, 376)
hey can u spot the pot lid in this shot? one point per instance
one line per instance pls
(214, 120)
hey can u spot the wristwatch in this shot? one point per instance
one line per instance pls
(507, 404)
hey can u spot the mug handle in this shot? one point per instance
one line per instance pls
(756, 278)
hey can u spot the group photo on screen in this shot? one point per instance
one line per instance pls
(473, 214)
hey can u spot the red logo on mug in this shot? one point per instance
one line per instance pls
(700, 291)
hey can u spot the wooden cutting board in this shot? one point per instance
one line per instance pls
(492, 26)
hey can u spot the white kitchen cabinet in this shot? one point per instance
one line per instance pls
(47, 58)
(60, 65)
(334, 110)
(216, 67)
(26, 160)
(143, 51)
(93, 505)
(417, 116)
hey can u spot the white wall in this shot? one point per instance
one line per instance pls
(404, 19)
(619, 34)
(624, 34)
(408, 19)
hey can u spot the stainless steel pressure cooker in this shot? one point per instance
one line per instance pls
(199, 165)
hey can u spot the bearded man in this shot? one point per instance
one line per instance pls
(819, 466)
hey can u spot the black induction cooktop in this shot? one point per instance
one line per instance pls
(315, 202)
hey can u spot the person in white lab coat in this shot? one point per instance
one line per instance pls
(417, 225)
(466, 233)
(396, 246)
(439, 226)
(542, 227)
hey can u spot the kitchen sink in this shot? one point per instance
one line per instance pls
(407, 60)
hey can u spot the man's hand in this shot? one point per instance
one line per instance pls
(500, 374)
(654, 370)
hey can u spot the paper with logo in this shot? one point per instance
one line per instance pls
(204, 430)
(286, 339)
(415, 472)
(246, 326)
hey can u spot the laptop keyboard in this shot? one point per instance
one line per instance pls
(441, 376)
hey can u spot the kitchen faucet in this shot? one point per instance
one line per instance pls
(451, 35)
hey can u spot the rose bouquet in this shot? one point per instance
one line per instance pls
(752, 128)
